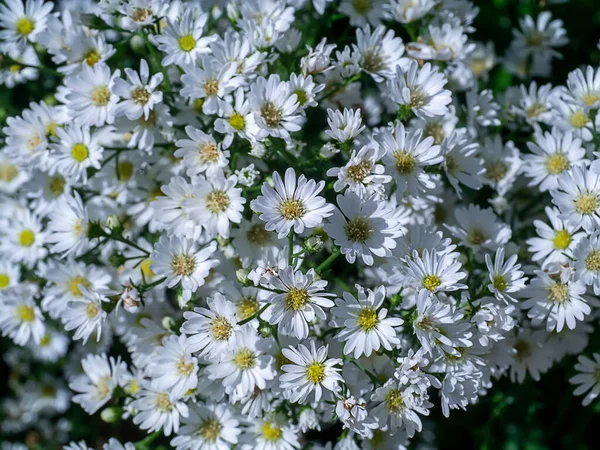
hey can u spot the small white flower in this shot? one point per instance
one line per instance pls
(86, 315)
(77, 150)
(173, 368)
(578, 198)
(138, 91)
(299, 303)
(364, 324)
(344, 126)
(587, 378)
(433, 272)
(68, 226)
(505, 277)
(20, 317)
(182, 262)
(310, 371)
(587, 261)
(158, 409)
(291, 204)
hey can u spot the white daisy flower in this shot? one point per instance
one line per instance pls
(365, 325)
(584, 89)
(210, 83)
(379, 54)
(90, 99)
(344, 126)
(68, 226)
(271, 433)
(208, 427)
(553, 154)
(182, 262)
(396, 405)
(246, 367)
(363, 227)
(77, 150)
(173, 368)
(275, 107)
(20, 317)
(212, 332)
(201, 153)
(578, 198)
(361, 173)
(216, 203)
(506, 277)
(10, 274)
(156, 409)
(138, 91)
(479, 228)
(407, 11)
(182, 41)
(94, 388)
(587, 378)
(461, 164)
(433, 272)
(541, 35)
(587, 261)
(169, 212)
(291, 204)
(236, 118)
(528, 354)
(86, 315)
(555, 242)
(421, 89)
(23, 239)
(310, 371)
(299, 303)
(556, 300)
(23, 22)
(502, 163)
(406, 157)
(439, 326)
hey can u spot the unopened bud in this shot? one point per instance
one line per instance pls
(264, 330)
(242, 276)
(111, 414)
(313, 244)
(168, 323)
(113, 222)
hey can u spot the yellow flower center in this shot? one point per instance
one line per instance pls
(523, 350)
(133, 387)
(431, 282)
(25, 313)
(367, 319)
(51, 129)
(125, 169)
(221, 328)
(315, 372)
(361, 6)
(271, 114)
(163, 403)
(358, 172)
(500, 283)
(102, 387)
(592, 261)
(198, 104)
(15, 68)
(589, 98)
(534, 39)
(578, 119)
(301, 96)
(246, 307)
(91, 310)
(244, 359)
(211, 87)
(91, 57)
(358, 229)
(394, 401)
(291, 209)
(476, 237)
(405, 162)
(27, 238)
(56, 185)
(372, 61)
(296, 299)
(45, 340)
(141, 14)
(184, 369)
(562, 239)
(140, 96)
(145, 268)
(4, 280)
(558, 293)
(208, 152)
(271, 432)
(496, 170)
(586, 204)
(257, 235)
(24, 26)
(210, 429)
(74, 283)
(187, 43)
(183, 265)
(79, 152)
(557, 163)
(237, 122)
(217, 202)
(100, 96)
(8, 172)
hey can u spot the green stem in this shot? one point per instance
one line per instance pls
(255, 315)
(325, 264)
(290, 247)
(145, 443)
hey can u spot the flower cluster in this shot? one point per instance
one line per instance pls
(234, 226)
